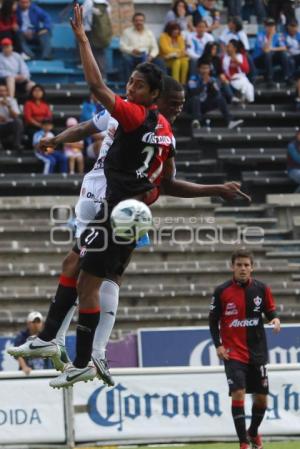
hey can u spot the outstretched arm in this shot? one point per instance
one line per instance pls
(91, 70)
(73, 134)
(184, 189)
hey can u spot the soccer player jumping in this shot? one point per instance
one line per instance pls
(237, 329)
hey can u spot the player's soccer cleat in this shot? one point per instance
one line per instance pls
(34, 347)
(61, 359)
(244, 446)
(103, 371)
(256, 442)
(71, 375)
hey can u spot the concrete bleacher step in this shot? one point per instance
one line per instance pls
(266, 177)
(252, 156)
(242, 134)
(38, 184)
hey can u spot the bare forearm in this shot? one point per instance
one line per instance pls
(91, 70)
(185, 189)
(74, 134)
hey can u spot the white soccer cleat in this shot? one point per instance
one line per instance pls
(71, 375)
(61, 359)
(35, 347)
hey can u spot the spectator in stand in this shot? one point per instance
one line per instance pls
(211, 55)
(35, 27)
(172, 50)
(11, 126)
(97, 25)
(293, 160)
(35, 323)
(52, 159)
(90, 108)
(8, 23)
(206, 96)
(196, 44)
(234, 30)
(234, 7)
(138, 44)
(205, 9)
(13, 70)
(236, 67)
(270, 48)
(36, 110)
(180, 13)
(292, 37)
(281, 10)
(256, 7)
(93, 149)
(73, 151)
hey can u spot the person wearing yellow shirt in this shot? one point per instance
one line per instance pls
(172, 50)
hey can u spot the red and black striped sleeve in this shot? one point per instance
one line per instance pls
(270, 305)
(215, 313)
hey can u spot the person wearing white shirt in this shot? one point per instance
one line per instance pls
(11, 126)
(234, 30)
(138, 44)
(13, 70)
(89, 8)
(196, 43)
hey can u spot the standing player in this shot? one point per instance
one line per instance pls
(133, 168)
(237, 329)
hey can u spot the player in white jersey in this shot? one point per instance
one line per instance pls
(88, 205)
(94, 182)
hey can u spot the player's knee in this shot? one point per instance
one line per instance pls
(238, 395)
(261, 400)
(70, 265)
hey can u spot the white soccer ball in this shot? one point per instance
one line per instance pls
(131, 219)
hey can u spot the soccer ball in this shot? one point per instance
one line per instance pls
(131, 219)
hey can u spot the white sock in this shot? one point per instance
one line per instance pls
(62, 331)
(108, 300)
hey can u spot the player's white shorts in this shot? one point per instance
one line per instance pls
(92, 192)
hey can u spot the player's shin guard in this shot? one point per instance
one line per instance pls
(87, 323)
(258, 414)
(238, 414)
(65, 298)
(108, 300)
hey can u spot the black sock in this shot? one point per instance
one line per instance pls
(238, 414)
(87, 322)
(256, 420)
(65, 298)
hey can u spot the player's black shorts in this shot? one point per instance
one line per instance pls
(252, 378)
(101, 254)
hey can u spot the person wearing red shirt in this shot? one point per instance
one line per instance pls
(8, 23)
(237, 329)
(36, 110)
(236, 66)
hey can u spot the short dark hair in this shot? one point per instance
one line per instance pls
(238, 45)
(242, 253)
(200, 21)
(171, 26)
(170, 85)
(137, 14)
(237, 23)
(36, 86)
(153, 75)
(203, 61)
(293, 23)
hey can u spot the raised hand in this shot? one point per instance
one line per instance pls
(77, 23)
(231, 190)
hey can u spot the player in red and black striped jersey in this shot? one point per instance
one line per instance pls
(237, 329)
